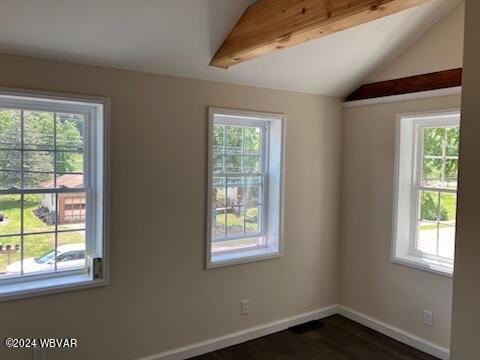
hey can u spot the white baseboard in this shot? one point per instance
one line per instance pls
(241, 336)
(396, 333)
(280, 325)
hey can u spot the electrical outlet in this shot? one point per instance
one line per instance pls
(245, 307)
(428, 318)
(39, 353)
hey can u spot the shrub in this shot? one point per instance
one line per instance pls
(429, 207)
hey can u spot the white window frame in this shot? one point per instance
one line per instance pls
(407, 183)
(96, 111)
(273, 125)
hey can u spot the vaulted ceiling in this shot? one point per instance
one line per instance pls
(179, 37)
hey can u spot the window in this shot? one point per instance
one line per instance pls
(426, 196)
(245, 186)
(52, 191)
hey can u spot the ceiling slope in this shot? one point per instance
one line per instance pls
(439, 48)
(179, 37)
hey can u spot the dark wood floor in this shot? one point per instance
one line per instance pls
(340, 339)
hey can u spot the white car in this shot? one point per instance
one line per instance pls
(69, 256)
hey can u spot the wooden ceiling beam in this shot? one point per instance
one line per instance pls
(272, 25)
(418, 83)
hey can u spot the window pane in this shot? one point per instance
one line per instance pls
(38, 181)
(69, 162)
(233, 163)
(38, 130)
(38, 169)
(451, 173)
(10, 218)
(252, 219)
(10, 160)
(237, 244)
(429, 203)
(448, 207)
(254, 190)
(453, 139)
(39, 161)
(10, 133)
(11, 166)
(72, 211)
(446, 232)
(38, 213)
(218, 187)
(70, 132)
(71, 250)
(252, 140)
(10, 256)
(218, 138)
(219, 195)
(39, 253)
(218, 223)
(446, 240)
(10, 179)
(433, 139)
(217, 163)
(432, 172)
(251, 164)
(70, 181)
(233, 140)
(427, 237)
(437, 238)
(235, 191)
(235, 221)
(218, 207)
(70, 144)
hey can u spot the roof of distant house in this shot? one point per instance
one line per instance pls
(71, 181)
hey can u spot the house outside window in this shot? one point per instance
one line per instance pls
(426, 179)
(245, 186)
(71, 206)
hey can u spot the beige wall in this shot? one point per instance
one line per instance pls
(440, 48)
(370, 283)
(466, 291)
(160, 296)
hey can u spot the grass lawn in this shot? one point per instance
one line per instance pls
(237, 221)
(34, 245)
(449, 203)
(434, 226)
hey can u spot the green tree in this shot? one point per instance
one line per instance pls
(239, 142)
(439, 141)
(39, 131)
(9, 139)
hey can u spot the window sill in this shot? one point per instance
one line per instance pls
(34, 288)
(240, 257)
(430, 265)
